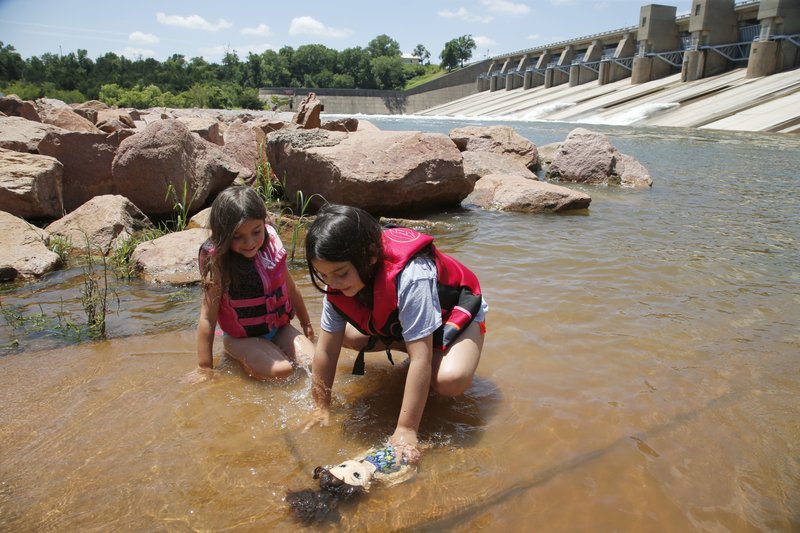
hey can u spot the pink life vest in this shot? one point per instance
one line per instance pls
(257, 300)
(458, 289)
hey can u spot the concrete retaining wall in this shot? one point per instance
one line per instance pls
(444, 89)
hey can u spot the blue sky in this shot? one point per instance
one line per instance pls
(158, 29)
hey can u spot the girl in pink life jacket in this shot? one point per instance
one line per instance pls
(391, 288)
(249, 292)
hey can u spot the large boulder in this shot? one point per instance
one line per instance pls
(22, 135)
(13, 106)
(87, 159)
(171, 258)
(89, 109)
(23, 250)
(383, 172)
(505, 183)
(103, 223)
(167, 154)
(480, 164)
(205, 126)
(246, 143)
(122, 116)
(30, 185)
(589, 157)
(68, 119)
(307, 116)
(503, 140)
(512, 192)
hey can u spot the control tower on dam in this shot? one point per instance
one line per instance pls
(715, 37)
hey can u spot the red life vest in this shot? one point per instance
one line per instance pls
(257, 300)
(458, 289)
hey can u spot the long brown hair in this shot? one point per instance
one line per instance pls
(230, 208)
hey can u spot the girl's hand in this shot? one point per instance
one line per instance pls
(319, 416)
(406, 445)
(199, 375)
(308, 330)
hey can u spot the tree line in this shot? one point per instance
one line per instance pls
(232, 83)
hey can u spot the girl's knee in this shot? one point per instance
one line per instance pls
(451, 385)
(277, 370)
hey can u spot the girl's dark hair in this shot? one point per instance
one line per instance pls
(231, 207)
(344, 233)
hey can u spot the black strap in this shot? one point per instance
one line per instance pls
(358, 365)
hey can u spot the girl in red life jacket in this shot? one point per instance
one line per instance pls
(249, 292)
(391, 288)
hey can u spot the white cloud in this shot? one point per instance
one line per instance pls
(192, 22)
(132, 53)
(261, 29)
(481, 41)
(463, 14)
(504, 6)
(309, 26)
(534, 37)
(143, 38)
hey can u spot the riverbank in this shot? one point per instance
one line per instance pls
(728, 101)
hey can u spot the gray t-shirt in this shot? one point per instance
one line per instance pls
(418, 305)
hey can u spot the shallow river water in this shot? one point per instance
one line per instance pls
(641, 373)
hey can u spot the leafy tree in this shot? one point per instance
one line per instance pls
(171, 73)
(383, 45)
(422, 53)
(464, 46)
(275, 69)
(252, 71)
(388, 72)
(34, 70)
(110, 68)
(310, 61)
(231, 68)
(342, 81)
(12, 66)
(199, 71)
(449, 55)
(355, 62)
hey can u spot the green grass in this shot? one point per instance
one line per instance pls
(432, 72)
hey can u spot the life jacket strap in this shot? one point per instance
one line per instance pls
(359, 365)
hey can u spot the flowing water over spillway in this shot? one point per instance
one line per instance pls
(641, 373)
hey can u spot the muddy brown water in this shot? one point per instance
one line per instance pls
(640, 373)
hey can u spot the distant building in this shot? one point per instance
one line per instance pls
(411, 59)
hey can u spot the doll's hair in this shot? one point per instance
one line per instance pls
(310, 506)
(230, 208)
(344, 233)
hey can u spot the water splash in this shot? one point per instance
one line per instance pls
(541, 111)
(631, 116)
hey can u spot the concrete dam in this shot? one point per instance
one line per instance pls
(724, 65)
